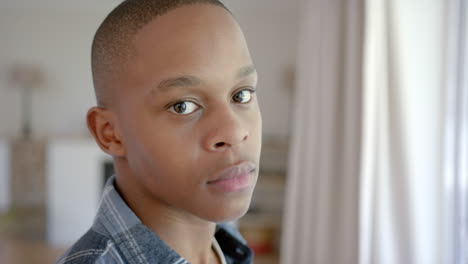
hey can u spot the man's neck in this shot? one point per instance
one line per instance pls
(188, 235)
(191, 240)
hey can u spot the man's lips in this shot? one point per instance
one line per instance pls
(234, 178)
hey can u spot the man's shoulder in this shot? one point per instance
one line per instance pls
(92, 248)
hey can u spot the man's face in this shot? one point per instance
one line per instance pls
(189, 116)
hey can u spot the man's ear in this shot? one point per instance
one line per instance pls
(103, 126)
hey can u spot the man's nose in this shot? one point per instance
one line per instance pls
(226, 132)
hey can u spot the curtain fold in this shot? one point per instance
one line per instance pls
(378, 168)
(456, 134)
(321, 212)
(402, 182)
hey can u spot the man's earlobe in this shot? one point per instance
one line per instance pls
(102, 124)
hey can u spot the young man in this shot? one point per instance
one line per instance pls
(177, 111)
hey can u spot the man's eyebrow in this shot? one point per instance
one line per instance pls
(189, 80)
(181, 81)
(246, 71)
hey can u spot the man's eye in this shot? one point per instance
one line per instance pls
(183, 108)
(243, 97)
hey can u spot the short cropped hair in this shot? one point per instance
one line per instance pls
(111, 47)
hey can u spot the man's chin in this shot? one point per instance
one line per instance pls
(229, 214)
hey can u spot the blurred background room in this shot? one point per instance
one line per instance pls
(365, 129)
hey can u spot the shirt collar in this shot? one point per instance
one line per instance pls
(140, 245)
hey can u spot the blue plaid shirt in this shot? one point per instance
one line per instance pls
(118, 236)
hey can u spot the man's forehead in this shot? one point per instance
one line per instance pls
(188, 20)
(191, 80)
(187, 54)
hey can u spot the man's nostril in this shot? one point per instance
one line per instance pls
(219, 144)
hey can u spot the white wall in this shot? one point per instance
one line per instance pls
(56, 35)
(58, 42)
(74, 188)
(4, 176)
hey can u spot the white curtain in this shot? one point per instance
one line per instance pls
(378, 170)
(321, 210)
(402, 184)
(456, 134)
